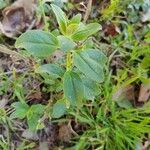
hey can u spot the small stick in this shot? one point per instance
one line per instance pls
(11, 72)
(5, 50)
(88, 11)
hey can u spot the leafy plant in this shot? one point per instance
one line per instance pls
(33, 113)
(82, 63)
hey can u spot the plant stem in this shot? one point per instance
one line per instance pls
(43, 14)
(69, 61)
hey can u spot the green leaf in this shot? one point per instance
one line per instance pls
(75, 19)
(71, 29)
(91, 89)
(34, 114)
(33, 122)
(3, 3)
(84, 32)
(37, 109)
(88, 66)
(73, 88)
(146, 62)
(59, 109)
(147, 37)
(61, 18)
(52, 69)
(124, 103)
(37, 42)
(66, 44)
(88, 43)
(96, 55)
(21, 110)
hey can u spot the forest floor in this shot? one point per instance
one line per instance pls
(116, 113)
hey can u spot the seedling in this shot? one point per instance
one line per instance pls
(84, 65)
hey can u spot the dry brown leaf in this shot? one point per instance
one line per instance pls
(65, 133)
(111, 29)
(35, 96)
(126, 92)
(144, 93)
(17, 17)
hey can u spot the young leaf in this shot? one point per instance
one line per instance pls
(21, 110)
(59, 109)
(37, 109)
(75, 19)
(52, 69)
(61, 18)
(86, 31)
(71, 29)
(33, 115)
(73, 88)
(66, 44)
(33, 122)
(88, 66)
(37, 42)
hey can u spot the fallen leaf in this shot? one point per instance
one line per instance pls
(35, 96)
(17, 17)
(144, 93)
(65, 133)
(111, 29)
(126, 92)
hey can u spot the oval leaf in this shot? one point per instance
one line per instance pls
(61, 18)
(91, 89)
(52, 69)
(73, 88)
(37, 42)
(59, 109)
(88, 66)
(21, 110)
(86, 31)
(76, 19)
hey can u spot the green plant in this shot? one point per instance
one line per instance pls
(33, 114)
(109, 126)
(82, 69)
(120, 130)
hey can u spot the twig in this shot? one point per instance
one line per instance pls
(88, 11)
(5, 50)
(11, 72)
